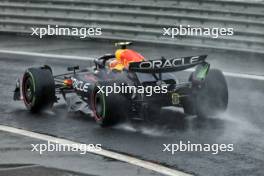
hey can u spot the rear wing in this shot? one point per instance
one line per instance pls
(167, 65)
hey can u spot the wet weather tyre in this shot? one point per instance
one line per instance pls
(212, 97)
(188, 102)
(108, 109)
(38, 89)
(189, 106)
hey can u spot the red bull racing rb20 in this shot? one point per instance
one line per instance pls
(125, 85)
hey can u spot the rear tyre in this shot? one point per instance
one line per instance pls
(109, 109)
(38, 89)
(188, 103)
(211, 98)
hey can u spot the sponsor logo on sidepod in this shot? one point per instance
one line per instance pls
(80, 85)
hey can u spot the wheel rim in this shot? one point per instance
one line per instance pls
(28, 90)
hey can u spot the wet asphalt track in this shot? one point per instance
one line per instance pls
(241, 125)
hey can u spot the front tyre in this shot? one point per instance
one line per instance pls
(108, 109)
(38, 89)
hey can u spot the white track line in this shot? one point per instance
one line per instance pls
(246, 76)
(68, 57)
(238, 75)
(121, 157)
(33, 54)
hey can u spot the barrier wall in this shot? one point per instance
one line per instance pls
(144, 20)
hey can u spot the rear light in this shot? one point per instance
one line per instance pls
(67, 82)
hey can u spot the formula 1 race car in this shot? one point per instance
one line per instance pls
(125, 85)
